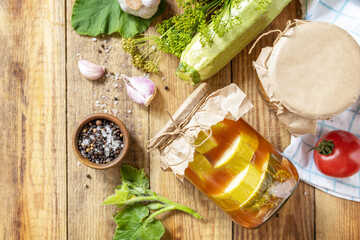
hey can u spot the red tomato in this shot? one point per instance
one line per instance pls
(337, 154)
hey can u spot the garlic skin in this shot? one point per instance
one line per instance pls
(140, 89)
(89, 70)
(141, 8)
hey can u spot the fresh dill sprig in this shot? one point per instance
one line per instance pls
(176, 32)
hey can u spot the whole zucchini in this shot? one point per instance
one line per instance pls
(200, 62)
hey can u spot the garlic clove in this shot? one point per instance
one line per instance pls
(141, 8)
(134, 4)
(135, 95)
(149, 99)
(140, 89)
(89, 70)
(151, 3)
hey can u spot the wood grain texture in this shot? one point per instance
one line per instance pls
(32, 114)
(336, 218)
(43, 97)
(289, 223)
(87, 217)
(215, 223)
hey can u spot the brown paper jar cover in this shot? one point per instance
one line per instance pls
(312, 72)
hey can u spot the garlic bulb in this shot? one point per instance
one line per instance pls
(141, 8)
(140, 89)
(89, 70)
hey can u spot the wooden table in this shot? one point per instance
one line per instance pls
(43, 97)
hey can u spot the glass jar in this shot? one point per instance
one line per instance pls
(241, 172)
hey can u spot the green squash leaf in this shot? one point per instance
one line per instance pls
(134, 178)
(120, 197)
(131, 224)
(95, 17)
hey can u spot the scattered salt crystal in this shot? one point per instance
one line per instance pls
(103, 105)
(105, 111)
(107, 151)
(116, 85)
(85, 142)
(147, 75)
(122, 145)
(78, 164)
(129, 111)
(110, 47)
(103, 96)
(114, 111)
(163, 78)
(94, 94)
(106, 50)
(97, 103)
(305, 193)
(106, 57)
(108, 74)
(105, 41)
(116, 102)
(94, 39)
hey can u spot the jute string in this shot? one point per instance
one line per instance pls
(289, 24)
(180, 130)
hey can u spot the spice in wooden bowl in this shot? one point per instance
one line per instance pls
(100, 141)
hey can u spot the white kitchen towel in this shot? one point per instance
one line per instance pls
(345, 14)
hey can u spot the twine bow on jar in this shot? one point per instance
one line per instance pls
(162, 140)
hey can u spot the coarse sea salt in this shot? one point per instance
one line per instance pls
(85, 142)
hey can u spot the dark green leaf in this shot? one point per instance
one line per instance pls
(131, 226)
(94, 17)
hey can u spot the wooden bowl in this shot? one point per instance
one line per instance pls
(126, 140)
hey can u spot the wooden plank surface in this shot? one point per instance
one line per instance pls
(289, 218)
(87, 218)
(45, 192)
(215, 223)
(32, 114)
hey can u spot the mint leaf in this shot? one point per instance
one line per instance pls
(95, 17)
(131, 225)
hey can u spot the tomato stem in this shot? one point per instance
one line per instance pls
(326, 147)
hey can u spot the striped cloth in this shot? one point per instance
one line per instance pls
(345, 14)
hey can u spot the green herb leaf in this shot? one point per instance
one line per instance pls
(136, 180)
(95, 17)
(131, 225)
(136, 200)
(120, 197)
